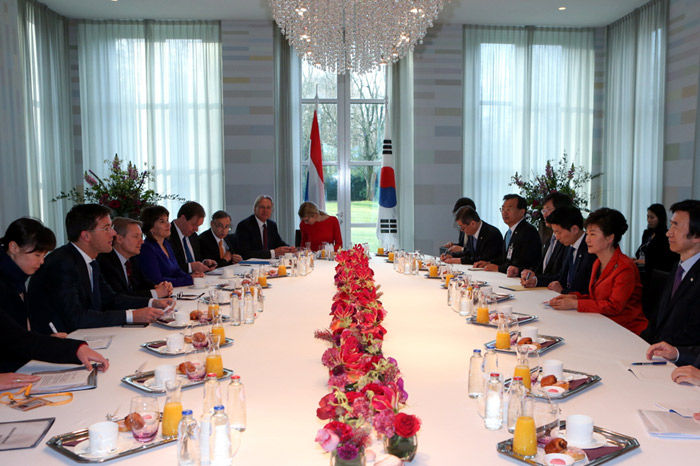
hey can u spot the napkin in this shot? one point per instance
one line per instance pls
(548, 343)
(574, 384)
(595, 453)
(157, 345)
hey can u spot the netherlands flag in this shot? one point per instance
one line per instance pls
(315, 189)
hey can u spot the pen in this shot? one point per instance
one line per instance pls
(506, 288)
(650, 363)
(53, 327)
(527, 277)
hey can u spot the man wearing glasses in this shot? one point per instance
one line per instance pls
(217, 243)
(69, 291)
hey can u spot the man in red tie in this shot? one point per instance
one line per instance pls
(257, 235)
(217, 243)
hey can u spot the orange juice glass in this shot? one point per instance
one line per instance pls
(262, 279)
(433, 270)
(219, 332)
(380, 251)
(525, 438)
(524, 372)
(213, 310)
(215, 365)
(282, 270)
(503, 341)
(172, 413)
(482, 315)
(448, 277)
(391, 256)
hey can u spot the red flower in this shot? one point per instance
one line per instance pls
(342, 430)
(114, 204)
(406, 425)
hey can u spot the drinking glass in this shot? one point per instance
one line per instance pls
(147, 408)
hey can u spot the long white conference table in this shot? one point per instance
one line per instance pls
(279, 362)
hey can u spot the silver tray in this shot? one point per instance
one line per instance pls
(137, 381)
(557, 342)
(613, 439)
(155, 345)
(567, 394)
(194, 323)
(65, 444)
(522, 319)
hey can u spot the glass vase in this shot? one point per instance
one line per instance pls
(359, 460)
(403, 448)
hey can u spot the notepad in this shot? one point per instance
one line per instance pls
(669, 425)
(522, 288)
(72, 379)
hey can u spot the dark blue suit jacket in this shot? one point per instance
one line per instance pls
(179, 250)
(524, 249)
(582, 270)
(209, 247)
(488, 246)
(61, 292)
(113, 273)
(250, 242)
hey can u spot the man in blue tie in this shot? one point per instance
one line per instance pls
(70, 292)
(522, 243)
(675, 335)
(185, 241)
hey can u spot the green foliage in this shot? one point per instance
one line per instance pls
(125, 192)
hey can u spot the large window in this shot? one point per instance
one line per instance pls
(351, 123)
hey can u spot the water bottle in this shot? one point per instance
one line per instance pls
(516, 395)
(259, 302)
(465, 301)
(493, 411)
(302, 265)
(187, 440)
(476, 379)
(236, 404)
(212, 398)
(249, 309)
(220, 452)
(235, 309)
(490, 363)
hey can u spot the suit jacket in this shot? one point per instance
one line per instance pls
(179, 250)
(488, 246)
(678, 318)
(113, 273)
(582, 270)
(524, 249)
(250, 242)
(61, 292)
(616, 293)
(556, 260)
(19, 346)
(209, 247)
(12, 280)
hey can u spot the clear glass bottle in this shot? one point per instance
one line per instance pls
(220, 453)
(476, 379)
(212, 398)
(236, 404)
(249, 309)
(465, 301)
(259, 299)
(188, 440)
(235, 309)
(490, 362)
(493, 411)
(516, 395)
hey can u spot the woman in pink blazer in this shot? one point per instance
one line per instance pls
(615, 289)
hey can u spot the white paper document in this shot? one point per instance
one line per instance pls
(670, 425)
(649, 372)
(95, 341)
(65, 380)
(23, 434)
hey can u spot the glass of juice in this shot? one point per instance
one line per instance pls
(172, 411)
(525, 436)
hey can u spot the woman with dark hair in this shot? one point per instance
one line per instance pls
(654, 252)
(157, 258)
(615, 289)
(22, 252)
(318, 227)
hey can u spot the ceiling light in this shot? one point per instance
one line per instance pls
(562, 8)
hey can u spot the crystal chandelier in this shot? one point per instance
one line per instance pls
(354, 35)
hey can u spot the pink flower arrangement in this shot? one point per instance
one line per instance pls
(366, 388)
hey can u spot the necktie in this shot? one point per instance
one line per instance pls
(265, 241)
(677, 280)
(550, 250)
(96, 298)
(188, 253)
(129, 282)
(221, 249)
(572, 260)
(509, 233)
(472, 244)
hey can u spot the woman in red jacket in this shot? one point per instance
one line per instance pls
(318, 227)
(615, 289)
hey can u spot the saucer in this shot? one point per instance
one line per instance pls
(124, 442)
(597, 442)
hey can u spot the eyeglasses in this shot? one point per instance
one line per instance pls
(105, 229)
(508, 209)
(222, 226)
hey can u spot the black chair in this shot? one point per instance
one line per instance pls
(652, 288)
(297, 238)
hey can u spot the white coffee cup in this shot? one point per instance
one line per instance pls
(506, 310)
(163, 373)
(529, 332)
(553, 367)
(228, 272)
(175, 342)
(200, 282)
(181, 317)
(103, 437)
(579, 430)
(486, 291)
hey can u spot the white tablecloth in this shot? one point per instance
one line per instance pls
(278, 360)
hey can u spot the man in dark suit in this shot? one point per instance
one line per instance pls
(257, 235)
(676, 333)
(575, 273)
(184, 240)
(217, 243)
(119, 269)
(521, 246)
(69, 290)
(456, 248)
(552, 250)
(483, 241)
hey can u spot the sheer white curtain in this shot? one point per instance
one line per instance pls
(50, 165)
(151, 92)
(634, 116)
(528, 97)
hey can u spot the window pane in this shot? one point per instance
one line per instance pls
(311, 77)
(367, 131)
(370, 85)
(327, 127)
(363, 235)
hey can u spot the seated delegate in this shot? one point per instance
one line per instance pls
(318, 227)
(257, 235)
(615, 289)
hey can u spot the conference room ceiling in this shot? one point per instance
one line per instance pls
(495, 12)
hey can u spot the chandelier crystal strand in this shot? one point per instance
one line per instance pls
(354, 35)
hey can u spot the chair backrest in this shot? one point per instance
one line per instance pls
(652, 289)
(297, 238)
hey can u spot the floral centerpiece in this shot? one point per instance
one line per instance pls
(125, 191)
(562, 178)
(366, 388)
